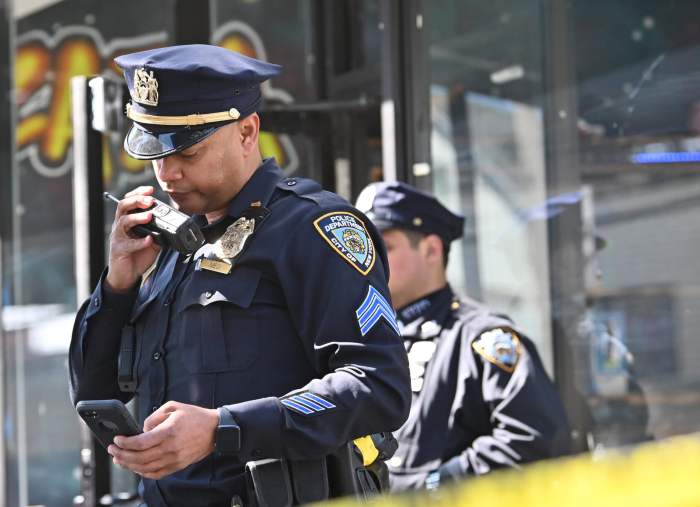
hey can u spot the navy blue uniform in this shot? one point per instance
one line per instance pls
(298, 341)
(482, 399)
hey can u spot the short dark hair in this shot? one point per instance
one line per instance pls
(415, 237)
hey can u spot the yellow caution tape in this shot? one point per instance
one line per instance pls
(659, 474)
(367, 448)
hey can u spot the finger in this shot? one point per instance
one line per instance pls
(142, 190)
(148, 459)
(128, 246)
(155, 419)
(132, 203)
(143, 441)
(127, 222)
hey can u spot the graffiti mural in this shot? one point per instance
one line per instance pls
(46, 63)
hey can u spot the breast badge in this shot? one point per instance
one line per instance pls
(348, 237)
(499, 346)
(233, 240)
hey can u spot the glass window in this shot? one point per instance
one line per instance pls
(52, 44)
(277, 31)
(630, 136)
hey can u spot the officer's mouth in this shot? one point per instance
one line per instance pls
(177, 196)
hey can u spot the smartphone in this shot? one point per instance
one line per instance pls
(107, 419)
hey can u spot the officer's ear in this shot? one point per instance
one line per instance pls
(249, 130)
(433, 248)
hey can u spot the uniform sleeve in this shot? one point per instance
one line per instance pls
(332, 271)
(95, 344)
(527, 418)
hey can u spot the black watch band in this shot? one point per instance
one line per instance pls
(228, 434)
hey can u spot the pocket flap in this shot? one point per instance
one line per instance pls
(238, 287)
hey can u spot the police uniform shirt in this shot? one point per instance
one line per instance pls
(299, 341)
(481, 397)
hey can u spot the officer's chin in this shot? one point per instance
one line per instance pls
(184, 202)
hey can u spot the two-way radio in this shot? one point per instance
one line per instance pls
(169, 227)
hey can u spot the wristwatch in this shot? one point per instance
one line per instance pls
(228, 434)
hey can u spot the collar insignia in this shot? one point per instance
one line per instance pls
(145, 88)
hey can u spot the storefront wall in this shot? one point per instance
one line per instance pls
(567, 133)
(628, 336)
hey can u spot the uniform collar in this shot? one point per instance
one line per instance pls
(432, 307)
(258, 189)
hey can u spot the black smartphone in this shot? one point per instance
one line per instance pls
(107, 419)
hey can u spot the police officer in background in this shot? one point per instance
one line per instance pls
(276, 338)
(481, 397)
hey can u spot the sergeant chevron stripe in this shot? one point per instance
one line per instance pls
(373, 308)
(307, 403)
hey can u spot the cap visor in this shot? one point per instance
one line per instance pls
(144, 145)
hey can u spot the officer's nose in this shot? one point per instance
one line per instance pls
(167, 169)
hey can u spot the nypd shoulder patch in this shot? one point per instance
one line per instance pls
(500, 346)
(348, 237)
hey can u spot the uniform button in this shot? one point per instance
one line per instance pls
(154, 408)
(156, 356)
(208, 294)
(291, 183)
(97, 301)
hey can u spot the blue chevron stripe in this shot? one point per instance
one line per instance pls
(296, 407)
(375, 318)
(317, 399)
(378, 304)
(307, 403)
(372, 308)
(373, 295)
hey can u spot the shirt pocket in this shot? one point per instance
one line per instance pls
(220, 329)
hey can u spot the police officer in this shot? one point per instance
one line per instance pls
(481, 397)
(276, 339)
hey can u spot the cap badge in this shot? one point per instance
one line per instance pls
(417, 221)
(232, 241)
(145, 88)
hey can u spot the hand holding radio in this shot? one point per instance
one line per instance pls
(129, 255)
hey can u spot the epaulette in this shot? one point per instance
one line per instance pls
(303, 187)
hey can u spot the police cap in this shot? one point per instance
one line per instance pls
(182, 94)
(397, 205)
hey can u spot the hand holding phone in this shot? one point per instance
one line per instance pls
(107, 419)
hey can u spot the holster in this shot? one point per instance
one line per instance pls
(356, 469)
(283, 483)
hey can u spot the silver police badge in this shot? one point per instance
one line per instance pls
(232, 241)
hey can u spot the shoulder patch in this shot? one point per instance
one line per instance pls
(348, 237)
(500, 346)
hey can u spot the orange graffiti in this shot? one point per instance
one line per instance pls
(49, 125)
(269, 143)
(239, 44)
(31, 65)
(75, 58)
